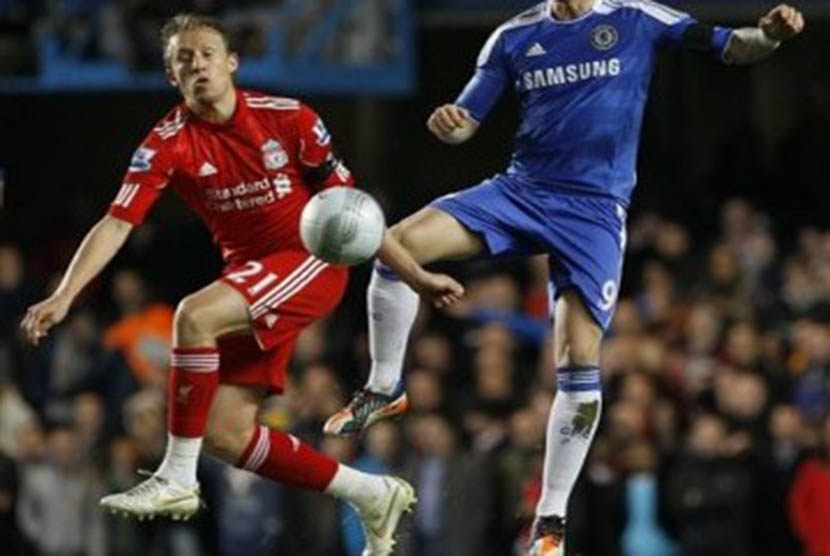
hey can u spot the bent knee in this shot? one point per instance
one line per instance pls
(577, 334)
(191, 319)
(407, 235)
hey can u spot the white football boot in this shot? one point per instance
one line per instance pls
(155, 497)
(380, 522)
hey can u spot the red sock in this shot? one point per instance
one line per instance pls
(282, 457)
(194, 377)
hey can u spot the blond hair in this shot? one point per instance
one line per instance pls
(189, 22)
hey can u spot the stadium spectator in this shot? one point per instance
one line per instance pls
(643, 534)
(14, 416)
(142, 332)
(9, 487)
(789, 439)
(452, 515)
(58, 507)
(15, 292)
(75, 360)
(517, 468)
(809, 501)
(810, 361)
(248, 511)
(17, 52)
(424, 392)
(89, 421)
(709, 492)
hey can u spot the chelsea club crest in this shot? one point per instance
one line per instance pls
(273, 155)
(604, 37)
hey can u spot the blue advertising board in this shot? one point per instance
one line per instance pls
(310, 46)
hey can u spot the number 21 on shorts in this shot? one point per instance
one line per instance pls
(252, 268)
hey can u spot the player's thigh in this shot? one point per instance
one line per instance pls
(576, 335)
(434, 235)
(232, 420)
(215, 310)
(286, 290)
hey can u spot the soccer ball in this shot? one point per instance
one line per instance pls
(342, 225)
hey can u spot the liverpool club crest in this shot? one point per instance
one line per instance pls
(273, 155)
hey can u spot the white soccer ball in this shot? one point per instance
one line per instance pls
(342, 225)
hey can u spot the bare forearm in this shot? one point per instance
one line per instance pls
(752, 44)
(440, 289)
(749, 45)
(97, 249)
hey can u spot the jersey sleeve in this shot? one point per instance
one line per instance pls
(321, 166)
(680, 30)
(489, 79)
(151, 169)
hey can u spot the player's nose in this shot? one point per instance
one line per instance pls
(199, 63)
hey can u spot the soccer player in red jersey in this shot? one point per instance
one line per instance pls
(246, 163)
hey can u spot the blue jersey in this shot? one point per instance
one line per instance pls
(582, 85)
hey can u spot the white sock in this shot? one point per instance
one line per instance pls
(392, 307)
(364, 490)
(573, 421)
(180, 460)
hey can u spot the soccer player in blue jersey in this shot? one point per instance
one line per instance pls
(581, 71)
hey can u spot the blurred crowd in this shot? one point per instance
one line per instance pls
(127, 31)
(715, 433)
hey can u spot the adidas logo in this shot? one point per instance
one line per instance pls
(536, 50)
(207, 169)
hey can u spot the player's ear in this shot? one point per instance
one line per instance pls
(233, 62)
(171, 77)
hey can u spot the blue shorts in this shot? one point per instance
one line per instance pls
(583, 235)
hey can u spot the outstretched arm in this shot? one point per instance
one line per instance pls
(752, 44)
(97, 249)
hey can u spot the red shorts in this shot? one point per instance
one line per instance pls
(285, 292)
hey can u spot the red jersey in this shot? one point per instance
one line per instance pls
(248, 179)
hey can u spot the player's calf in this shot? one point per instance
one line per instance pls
(576, 336)
(232, 421)
(573, 420)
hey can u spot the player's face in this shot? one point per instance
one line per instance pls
(200, 65)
